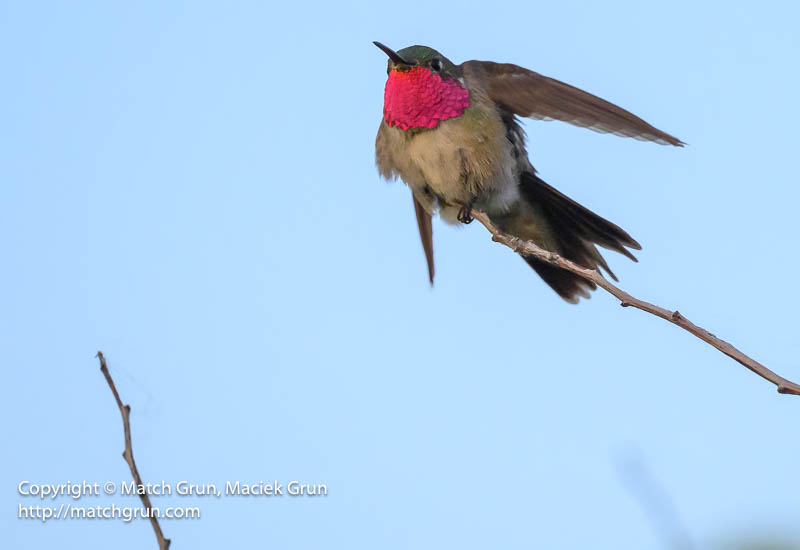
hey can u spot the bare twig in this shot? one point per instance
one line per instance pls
(127, 454)
(626, 300)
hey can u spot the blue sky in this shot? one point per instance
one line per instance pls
(191, 188)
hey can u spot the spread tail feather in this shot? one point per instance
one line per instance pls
(557, 223)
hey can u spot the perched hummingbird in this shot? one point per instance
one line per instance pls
(451, 133)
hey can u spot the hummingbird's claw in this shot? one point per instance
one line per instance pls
(465, 214)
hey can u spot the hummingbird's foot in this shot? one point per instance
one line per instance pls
(465, 214)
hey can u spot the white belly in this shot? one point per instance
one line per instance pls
(464, 167)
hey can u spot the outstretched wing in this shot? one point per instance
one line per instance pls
(529, 94)
(425, 225)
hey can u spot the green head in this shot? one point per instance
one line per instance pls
(417, 56)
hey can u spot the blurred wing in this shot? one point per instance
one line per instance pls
(529, 94)
(425, 225)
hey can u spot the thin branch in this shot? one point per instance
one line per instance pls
(127, 454)
(626, 300)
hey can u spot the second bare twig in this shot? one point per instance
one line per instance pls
(127, 454)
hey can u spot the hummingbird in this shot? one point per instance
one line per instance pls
(452, 133)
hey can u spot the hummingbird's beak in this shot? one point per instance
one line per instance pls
(396, 59)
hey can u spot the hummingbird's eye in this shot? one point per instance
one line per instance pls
(436, 64)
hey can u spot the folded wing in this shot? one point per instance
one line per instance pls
(425, 226)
